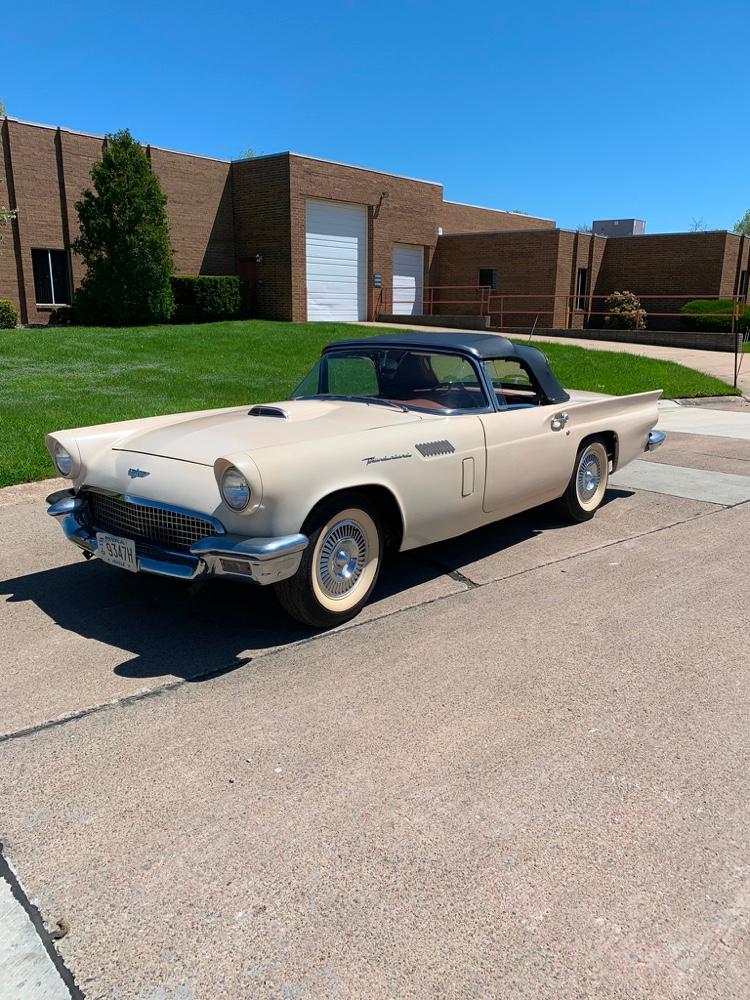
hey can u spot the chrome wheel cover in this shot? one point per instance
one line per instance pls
(589, 477)
(342, 558)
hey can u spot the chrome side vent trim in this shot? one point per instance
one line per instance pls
(268, 411)
(431, 449)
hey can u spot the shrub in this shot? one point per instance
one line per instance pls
(63, 316)
(713, 316)
(205, 298)
(624, 312)
(124, 241)
(8, 315)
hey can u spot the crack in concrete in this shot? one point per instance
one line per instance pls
(453, 574)
(126, 700)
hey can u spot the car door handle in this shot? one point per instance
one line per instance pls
(559, 421)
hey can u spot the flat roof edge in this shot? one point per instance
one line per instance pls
(503, 232)
(369, 170)
(100, 138)
(501, 211)
(677, 232)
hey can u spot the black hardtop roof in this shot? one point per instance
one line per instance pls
(480, 345)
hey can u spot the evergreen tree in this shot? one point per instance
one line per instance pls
(124, 241)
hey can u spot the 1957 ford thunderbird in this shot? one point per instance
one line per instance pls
(397, 440)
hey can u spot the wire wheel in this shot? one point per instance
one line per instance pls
(345, 560)
(342, 558)
(591, 476)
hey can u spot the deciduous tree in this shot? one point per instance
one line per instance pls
(743, 225)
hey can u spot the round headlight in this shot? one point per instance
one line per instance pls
(235, 489)
(63, 461)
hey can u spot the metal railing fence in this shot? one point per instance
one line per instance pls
(567, 311)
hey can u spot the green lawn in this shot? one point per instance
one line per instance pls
(69, 377)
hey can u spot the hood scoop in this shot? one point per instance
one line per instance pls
(268, 411)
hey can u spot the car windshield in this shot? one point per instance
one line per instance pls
(418, 380)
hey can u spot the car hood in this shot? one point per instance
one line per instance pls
(205, 437)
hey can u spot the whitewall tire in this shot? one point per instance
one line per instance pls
(588, 483)
(340, 565)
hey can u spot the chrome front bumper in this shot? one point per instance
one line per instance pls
(257, 560)
(655, 440)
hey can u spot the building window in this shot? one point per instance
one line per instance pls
(582, 281)
(51, 277)
(743, 284)
(487, 278)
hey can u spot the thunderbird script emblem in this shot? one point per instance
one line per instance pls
(138, 473)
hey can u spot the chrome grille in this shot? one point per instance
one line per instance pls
(159, 526)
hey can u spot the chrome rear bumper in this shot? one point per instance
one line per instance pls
(258, 560)
(655, 440)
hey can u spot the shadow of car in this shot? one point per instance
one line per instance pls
(200, 631)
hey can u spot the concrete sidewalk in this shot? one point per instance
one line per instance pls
(704, 420)
(717, 363)
(534, 788)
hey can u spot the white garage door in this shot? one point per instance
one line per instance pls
(336, 261)
(408, 287)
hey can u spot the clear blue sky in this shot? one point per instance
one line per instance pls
(566, 110)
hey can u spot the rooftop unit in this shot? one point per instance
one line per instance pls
(618, 227)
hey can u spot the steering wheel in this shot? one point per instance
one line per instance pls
(455, 387)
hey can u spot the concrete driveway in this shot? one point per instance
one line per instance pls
(522, 773)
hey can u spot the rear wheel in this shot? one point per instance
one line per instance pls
(588, 484)
(339, 567)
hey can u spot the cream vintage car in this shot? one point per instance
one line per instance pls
(394, 441)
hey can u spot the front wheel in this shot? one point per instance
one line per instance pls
(588, 483)
(339, 567)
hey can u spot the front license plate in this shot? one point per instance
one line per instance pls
(117, 551)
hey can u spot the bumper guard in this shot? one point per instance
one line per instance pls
(258, 560)
(655, 440)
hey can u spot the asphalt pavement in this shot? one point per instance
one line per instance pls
(522, 773)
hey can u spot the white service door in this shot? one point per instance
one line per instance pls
(336, 244)
(408, 280)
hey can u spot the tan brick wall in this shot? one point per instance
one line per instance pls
(79, 153)
(526, 266)
(408, 215)
(577, 250)
(664, 270)
(9, 265)
(50, 168)
(34, 157)
(262, 226)
(199, 205)
(458, 218)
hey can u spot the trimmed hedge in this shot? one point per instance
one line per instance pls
(713, 316)
(205, 298)
(8, 315)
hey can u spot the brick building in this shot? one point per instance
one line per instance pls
(323, 240)
(560, 279)
(309, 235)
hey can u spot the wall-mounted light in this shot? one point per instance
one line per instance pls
(383, 196)
(259, 258)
